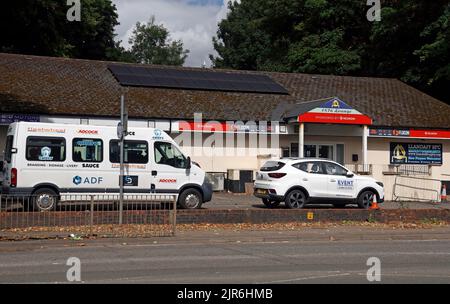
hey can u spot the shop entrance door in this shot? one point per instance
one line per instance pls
(333, 152)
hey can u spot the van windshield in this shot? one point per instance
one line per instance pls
(8, 148)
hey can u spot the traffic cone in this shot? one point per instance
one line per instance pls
(374, 205)
(444, 193)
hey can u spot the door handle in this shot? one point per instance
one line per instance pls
(332, 180)
(305, 179)
(154, 172)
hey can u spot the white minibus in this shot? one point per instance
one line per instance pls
(46, 161)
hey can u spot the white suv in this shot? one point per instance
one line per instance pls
(301, 181)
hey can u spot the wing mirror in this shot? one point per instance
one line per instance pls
(349, 174)
(189, 163)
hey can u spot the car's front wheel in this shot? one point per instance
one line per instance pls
(190, 199)
(365, 199)
(295, 199)
(270, 204)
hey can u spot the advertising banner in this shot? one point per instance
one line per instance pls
(416, 153)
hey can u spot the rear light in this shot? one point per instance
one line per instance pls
(277, 175)
(13, 177)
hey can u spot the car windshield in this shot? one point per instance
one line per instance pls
(272, 166)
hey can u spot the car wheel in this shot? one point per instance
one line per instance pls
(44, 199)
(295, 199)
(365, 199)
(190, 199)
(270, 204)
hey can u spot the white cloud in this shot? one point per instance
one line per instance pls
(194, 24)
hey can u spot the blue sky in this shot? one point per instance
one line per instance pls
(192, 21)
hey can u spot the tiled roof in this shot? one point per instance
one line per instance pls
(60, 86)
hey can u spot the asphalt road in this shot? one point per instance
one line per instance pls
(236, 257)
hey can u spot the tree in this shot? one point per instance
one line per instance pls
(150, 44)
(317, 36)
(41, 28)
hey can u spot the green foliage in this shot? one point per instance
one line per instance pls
(412, 41)
(41, 28)
(151, 45)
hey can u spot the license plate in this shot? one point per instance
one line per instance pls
(261, 191)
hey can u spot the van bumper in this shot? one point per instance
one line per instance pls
(20, 191)
(207, 191)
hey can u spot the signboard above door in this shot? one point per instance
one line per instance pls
(335, 111)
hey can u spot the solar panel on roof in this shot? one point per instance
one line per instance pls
(195, 80)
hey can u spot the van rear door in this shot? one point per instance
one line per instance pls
(6, 170)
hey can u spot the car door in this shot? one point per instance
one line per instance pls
(339, 184)
(169, 171)
(313, 178)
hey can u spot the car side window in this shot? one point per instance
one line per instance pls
(333, 169)
(310, 167)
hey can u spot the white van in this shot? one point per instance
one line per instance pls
(45, 160)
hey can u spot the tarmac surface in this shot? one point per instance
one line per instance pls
(224, 200)
(309, 255)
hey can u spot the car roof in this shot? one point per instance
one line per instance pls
(304, 159)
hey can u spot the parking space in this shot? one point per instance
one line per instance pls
(224, 200)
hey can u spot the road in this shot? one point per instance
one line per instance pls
(310, 256)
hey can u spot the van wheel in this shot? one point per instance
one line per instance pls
(295, 199)
(365, 199)
(270, 204)
(44, 199)
(190, 199)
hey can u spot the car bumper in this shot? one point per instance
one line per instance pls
(269, 196)
(20, 191)
(207, 191)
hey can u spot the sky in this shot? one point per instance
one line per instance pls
(192, 21)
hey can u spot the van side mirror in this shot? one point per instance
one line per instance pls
(349, 174)
(189, 163)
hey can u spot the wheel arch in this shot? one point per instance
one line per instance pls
(191, 186)
(303, 189)
(368, 189)
(46, 185)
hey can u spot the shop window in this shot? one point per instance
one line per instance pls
(45, 148)
(87, 150)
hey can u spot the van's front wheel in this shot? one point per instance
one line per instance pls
(44, 199)
(190, 199)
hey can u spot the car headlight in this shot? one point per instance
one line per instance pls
(380, 184)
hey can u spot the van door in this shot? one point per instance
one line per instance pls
(6, 178)
(169, 171)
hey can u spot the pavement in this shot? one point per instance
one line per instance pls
(307, 255)
(225, 200)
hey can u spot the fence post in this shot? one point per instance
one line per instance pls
(174, 215)
(91, 222)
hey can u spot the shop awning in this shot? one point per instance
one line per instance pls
(330, 111)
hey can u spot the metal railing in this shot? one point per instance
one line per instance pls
(407, 170)
(363, 169)
(88, 215)
(419, 189)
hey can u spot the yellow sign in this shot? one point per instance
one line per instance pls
(310, 215)
(335, 104)
(399, 153)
